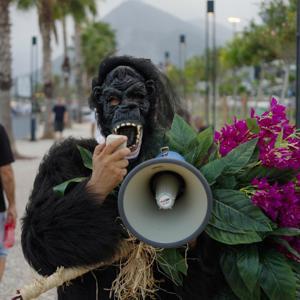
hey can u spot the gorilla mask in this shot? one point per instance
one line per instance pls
(128, 96)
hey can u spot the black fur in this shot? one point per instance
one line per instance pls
(76, 230)
(65, 231)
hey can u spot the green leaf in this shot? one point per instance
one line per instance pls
(214, 153)
(232, 238)
(213, 170)
(231, 273)
(198, 147)
(180, 135)
(277, 278)
(173, 264)
(87, 157)
(287, 245)
(239, 157)
(220, 224)
(260, 171)
(286, 232)
(296, 269)
(279, 139)
(253, 125)
(60, 189)
(226, 294)
(248, 266)
(235, 208)
(227, 182)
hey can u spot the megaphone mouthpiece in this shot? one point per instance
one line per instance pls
(166, 187)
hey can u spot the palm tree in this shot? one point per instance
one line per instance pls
(46, 23)
(5, 69)
(79, 13)
(79, 10)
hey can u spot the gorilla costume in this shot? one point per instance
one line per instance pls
(133, 98)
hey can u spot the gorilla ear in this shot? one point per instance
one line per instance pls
(97, 91)
(150, 87)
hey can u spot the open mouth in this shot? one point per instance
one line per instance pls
(134, 133)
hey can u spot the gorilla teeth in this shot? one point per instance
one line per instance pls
(136, 146)
(115, 130)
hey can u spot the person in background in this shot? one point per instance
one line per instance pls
(198, 124)
(60, 118)
(7, 187)
(92, 118)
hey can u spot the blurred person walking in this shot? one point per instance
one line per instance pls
(199, 124)
(7, 185)
(60, 117)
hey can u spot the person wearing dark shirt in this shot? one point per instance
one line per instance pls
(7, 187)
(60, 118)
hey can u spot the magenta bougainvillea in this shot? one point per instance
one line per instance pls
(279, 148)
(278, 142)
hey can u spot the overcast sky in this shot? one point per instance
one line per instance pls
(25, 25)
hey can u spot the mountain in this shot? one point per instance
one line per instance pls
(145, 31)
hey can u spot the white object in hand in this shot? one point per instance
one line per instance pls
(112, 137)
(166, 190)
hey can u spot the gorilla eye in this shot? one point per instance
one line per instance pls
(114, 101)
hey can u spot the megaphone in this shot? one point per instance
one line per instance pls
(165, 202)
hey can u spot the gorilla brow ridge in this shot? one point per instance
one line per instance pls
(122, 77)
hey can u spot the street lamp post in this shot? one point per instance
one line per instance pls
(234, 21)
(298, 69)
(182, 59)
(211, 11)
(207, 67)
(33, 83)
(167, 60)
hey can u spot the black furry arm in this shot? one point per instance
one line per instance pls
(204, 278)
(73, 230)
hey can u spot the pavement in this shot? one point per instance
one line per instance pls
(18, 273)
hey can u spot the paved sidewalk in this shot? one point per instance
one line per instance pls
(17, 272)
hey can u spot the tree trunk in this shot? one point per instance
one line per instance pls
(5, 70)
(235, 91)
(45, 22)
(66, 72)
(285, 80)
(78, 70)
(225, 109)
(260, 91)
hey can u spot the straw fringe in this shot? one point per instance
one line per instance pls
(135, 279)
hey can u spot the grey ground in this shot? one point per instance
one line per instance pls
(17, 272)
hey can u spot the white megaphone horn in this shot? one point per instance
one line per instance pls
(165, 202)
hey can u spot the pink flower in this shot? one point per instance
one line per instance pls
(281, 203)
(233, 135)
(278, 143)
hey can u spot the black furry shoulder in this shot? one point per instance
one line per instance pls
(72, 230)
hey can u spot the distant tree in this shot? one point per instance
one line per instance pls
(98, 41)
(279, 16)
(194, 72)
(79, 10)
